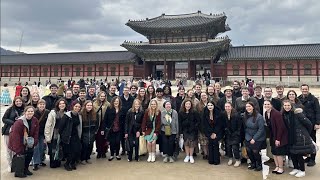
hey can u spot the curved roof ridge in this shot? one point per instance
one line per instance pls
(177, 16)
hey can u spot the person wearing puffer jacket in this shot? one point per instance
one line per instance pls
(299, 141)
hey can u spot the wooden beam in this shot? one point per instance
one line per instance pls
(165, 69)
(298, 65)
(317, 69)
(280, 70)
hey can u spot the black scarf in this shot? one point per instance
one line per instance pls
(289, 121)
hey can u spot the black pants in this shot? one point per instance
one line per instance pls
(28, 158)
(159, 141)
(53, 163)
(214, 154)
(123, 141)
(233, 151)
(134, 143)
(86, 151)
(254, 156)
(168, 143)
(115, 138)
(298, 161)
(313, 136)
(70, 156)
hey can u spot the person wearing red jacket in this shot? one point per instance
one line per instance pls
(26, 127)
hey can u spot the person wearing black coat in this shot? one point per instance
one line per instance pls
(227, 98)
(70, 130)
(132, 128)
(8, 119)
(180, 97)
(189, 120)
(299, 142)
(90, 126)
(52, 98)
(113, 120)
(311, 109)
(214, 131)
(232, 125)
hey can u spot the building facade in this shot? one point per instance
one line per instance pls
(179, 46)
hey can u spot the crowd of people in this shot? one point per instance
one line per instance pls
(66, 125)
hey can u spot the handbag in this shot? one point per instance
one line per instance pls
(28, 140)
(17, 163)
(127, 145)
(244, 153)
(142, 146)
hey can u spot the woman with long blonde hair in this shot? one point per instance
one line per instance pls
(151, 128)
(100, 105)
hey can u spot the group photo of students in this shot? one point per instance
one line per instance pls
(81, 122)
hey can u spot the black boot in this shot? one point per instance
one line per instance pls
(67, 167)
(103, 155)
(258, 166)
(252, 166)
(27, 172)
(98, 156)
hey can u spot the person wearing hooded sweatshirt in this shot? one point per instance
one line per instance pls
(26, 128)
(8, 119)
(70, 130)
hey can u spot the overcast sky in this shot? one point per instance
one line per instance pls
(99, 25)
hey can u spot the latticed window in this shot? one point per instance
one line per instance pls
(307, 69)
(45, 72)
(101, 69)
(25, 72)
(5, 71)
(254, 70)
(235, 70)
(271, 69)
(289, 69)
(35, 72)
(66, 71)
(78, 71)
(126, 71)
(55, 71)
(89, 69)
(113, 71)
(16, 72)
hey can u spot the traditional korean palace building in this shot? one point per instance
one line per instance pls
(178, 46)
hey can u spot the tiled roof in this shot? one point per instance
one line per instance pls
(141, 49)
(276, 52)
(191, 22)
(71, 58)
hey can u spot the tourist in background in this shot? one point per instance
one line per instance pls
(5, 96)
(232, 123)
(18, 89)
(189, 120)
(41, 114)
(150, 128)
(214, 131)
(254, 135)
(132, 128)
(9, 118)
(299, 141)
(22, 140)
(169, 131)
(70, 130)
(100, 105)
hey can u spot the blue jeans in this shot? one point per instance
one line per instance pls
(38, 151)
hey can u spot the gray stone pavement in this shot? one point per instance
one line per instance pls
(103, 169)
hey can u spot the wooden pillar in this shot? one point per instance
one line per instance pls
(189, 69)
(165, 69)
(145, 69)
(95, 71)
(245, 69)
(83, 70)
(107, 70)
(71, 71)
(119, 71)
(61, 71)
(173, 70)
(50, 73)
(317, 70)
(211, 67)
(298, 65)
(262, 69)
(280, 70)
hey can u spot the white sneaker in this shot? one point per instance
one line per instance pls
(290, 164)
(301, 174)
(230, 162)
(191, 160)
(153, 157)
(294, 172)
(237, 164)
(9, 169)
(149, 158)
(186, 159)
(166, 159)
(248, 161)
